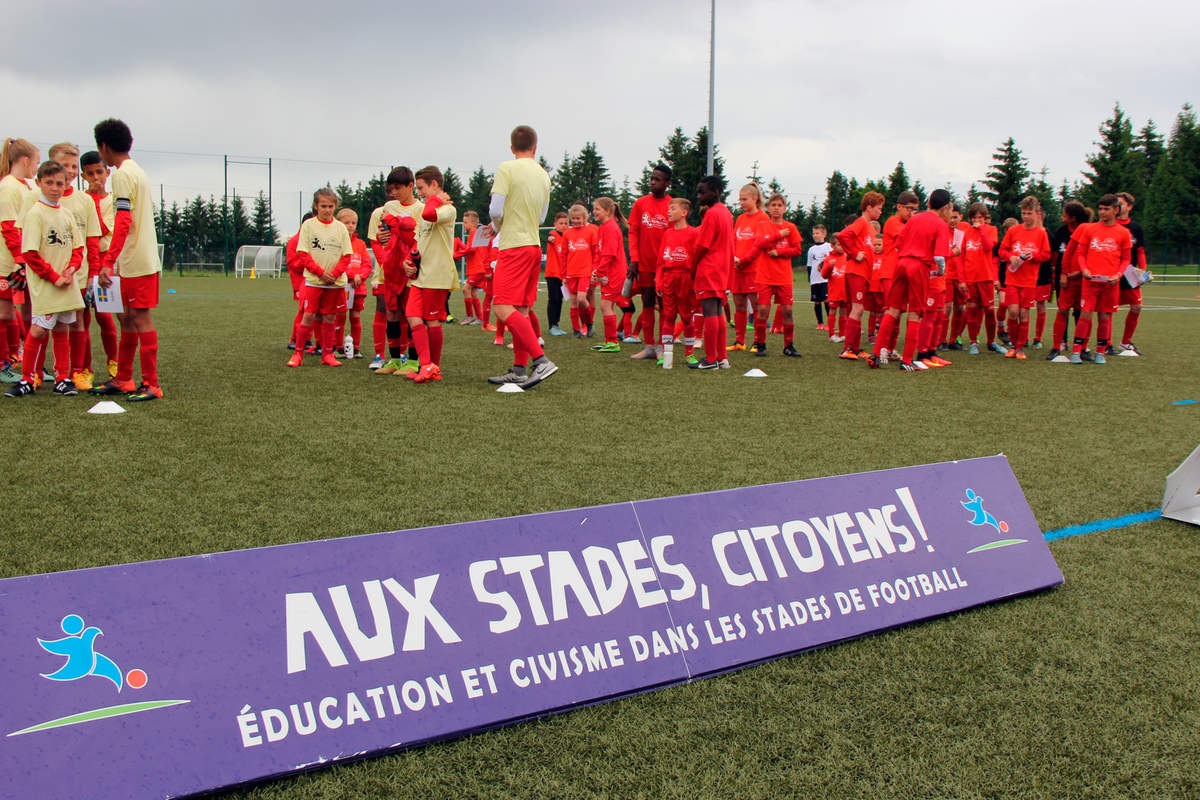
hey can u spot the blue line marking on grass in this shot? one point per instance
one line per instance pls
(1185, 402)
(1103, 524)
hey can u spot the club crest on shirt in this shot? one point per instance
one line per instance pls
(54, 237)
(315, 244)
(675, 255)
(1106, 245)
(657, 221)
(575, 245)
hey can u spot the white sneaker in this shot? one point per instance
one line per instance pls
(921, 365)
(723, 363)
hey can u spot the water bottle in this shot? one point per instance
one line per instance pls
(627, 289)
(348, 346)
(668, 355)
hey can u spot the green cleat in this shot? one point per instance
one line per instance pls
(607, 347)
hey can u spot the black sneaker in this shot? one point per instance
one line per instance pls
(955, 346)
(1005, 339)
(538, 373)
(1086, 355)
(65, 388)
(508, 377)
(1053, 354)
(703, 365)
(108, 388)
(19, 389)
(291, 345)
(941, 347)
(1111, 351)
(906, 366)
(577, 335)
(760, 348)
(791, 351)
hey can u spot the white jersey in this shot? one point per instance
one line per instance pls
(816, 257)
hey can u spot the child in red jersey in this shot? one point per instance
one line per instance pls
(978, 274)
(1002, 330)
(1130, 295)
(858, 242)
(673, 277)
(466, 249)
(935, 308)
(579, 246)
(874, 299)
(1102, 250)
(647, 225)
(1023, 250)
(555, 254)
(610, 268)
(778, 248)
(833, 270)
(1069, 277)
(714, 263)
(359, 274)
(748, 229)
(923, 246)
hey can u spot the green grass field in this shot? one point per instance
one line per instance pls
(1089, 690)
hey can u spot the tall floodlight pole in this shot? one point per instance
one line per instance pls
(712, 58)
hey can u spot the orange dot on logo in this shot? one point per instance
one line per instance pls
(136, 678)
(1004, 527)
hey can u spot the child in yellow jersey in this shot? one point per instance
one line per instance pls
(324, 249)
(52, 255)
(18, 162)
(132, 255)
(95, 173)
(431, 274)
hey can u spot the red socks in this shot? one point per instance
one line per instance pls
(911, 335)
(125, 353)
(1041, 324)
(886, 326)
(760, 330)
(648, 326)
(853, 334)
(575, 325)
(1131, 323)
(789, 331)
(34, 350)
(356, 331)
(435, 345)
(61, 341)
(1083, 332)
(713, 335)
(149, 354)
(535, 323)
(1104, 330)
(1060, 327)
(523, 336)
(80, 345)
(304, 331)
(739, 326)
(974, 320)
(420, 338)
(326, 331)
(989, 320)
(296, 328)
(610, 328)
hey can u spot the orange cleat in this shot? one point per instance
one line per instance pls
(427, 372)
(330, 360)
(296, 360)
(736, 346)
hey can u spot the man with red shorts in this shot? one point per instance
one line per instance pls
(1103, 250)
(923, 246)
(714, 263)
(1130, 295)
(520, 201)
(647, 224)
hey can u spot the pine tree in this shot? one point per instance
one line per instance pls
(1172, 218)
(897, 182)
(686, 158)
(837, 201)
(1040, 188)
(625, 196)
(1148, 150)
(774, 187)
(592, 178)
(263, 229)
(1112, 166)
(1005, 181)
(919, 191)
(479, 194)
(452, 185)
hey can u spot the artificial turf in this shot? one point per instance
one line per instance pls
(1089, 690)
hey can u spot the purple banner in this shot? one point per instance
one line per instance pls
(173, 677)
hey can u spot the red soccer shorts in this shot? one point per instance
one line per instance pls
(315, 300)
(140, 292)
(516, 278)
(1020, 296)
(579, 284)
(1131, 297)
(1101, 297)
(935, 299)
(837, 289)
(856, 288)
(611, 291)
(982, 293)
(377, 291)
(910, 287)
(1069, 296)
(742, 281)
(1043, 293)
(394, 300)
(297, 279)
(478, 280)
(428, 304)
(781, 293)
(645, 280)
(874, 302)
(360, 299)
(711, 280)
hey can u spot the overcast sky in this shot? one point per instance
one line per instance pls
(802, 87)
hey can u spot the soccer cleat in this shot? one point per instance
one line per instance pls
(955, 346)
(645, 354)
(577, 334)
(146, 393)
(760, 348)
(1110, 351)
(941, 362)
(941, 347)
(1021, 354)
(1129, 350)
(376, 363)
(1099, 359)
(927, 363)
(1005, 338)
(724, 363)
(358, 354)
(557, 331)
(9, 375)
(330, 360)
(114, 387)
(466, 320)
(1037, 344)
(450, 319)
(607, 347)
(589, 333)
(997, 348)
(427, 373)
(82, 381)
(920, 366)
(498, 341)
(632, 340)
(19, 389)
(702, 365)
(407, 367)
(691, 359)
(475, 321)
(296, 360)
(872, 361)
(973, 350)
(1086, 355)
(312, 350)
(849, 355)
(822, 327)
(508, 377)
(736, 347)
(1053, 354)
(65, 388)
(907, 366)
(112, 368)
(291, 345)
(1010, 353)
(390, 367)
(487, 327)
(538, 373)
(791, 352)
(1076, 358)
(896, 355)
(47, 375)
(883, 357)
(837, 339)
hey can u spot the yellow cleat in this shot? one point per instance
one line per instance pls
(112, 368)
(82, 381)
